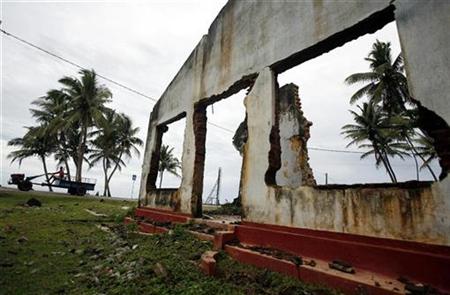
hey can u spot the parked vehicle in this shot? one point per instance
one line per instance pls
(73, 187)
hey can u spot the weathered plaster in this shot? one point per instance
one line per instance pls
(294, 134)
(250, 39)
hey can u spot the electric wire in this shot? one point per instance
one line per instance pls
(75, 64)
(138, 92)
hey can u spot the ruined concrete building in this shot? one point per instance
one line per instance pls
(237, 53)
(247, 46)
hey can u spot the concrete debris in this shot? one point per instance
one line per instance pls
(95, 213)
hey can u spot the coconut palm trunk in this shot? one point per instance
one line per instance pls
(44, 164)
(81, 151)
(66, 163)
(105, 171)
(417, 167)
(161, 173)
(388, 164)
(421, 157)
(385, 163)
(112, 172)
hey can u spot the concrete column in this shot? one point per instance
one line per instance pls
(425, 42)
(260, 106)
(151, 161)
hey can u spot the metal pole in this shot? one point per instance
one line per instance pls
(326, 178)
(218, 186)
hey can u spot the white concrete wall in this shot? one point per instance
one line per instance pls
(250, 37)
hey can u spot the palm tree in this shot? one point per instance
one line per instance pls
(386, 83)
(127, 143)
(86, 108)
(370, 126)
(427, 153)
(405, 123)
(105, 145)
(167, 161)
(33, 143)
(114, 140)
(51, 111)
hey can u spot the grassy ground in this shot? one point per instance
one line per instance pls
(60, 248)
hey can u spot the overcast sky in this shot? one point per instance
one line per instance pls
(143, 45)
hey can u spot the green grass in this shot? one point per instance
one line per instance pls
(65, 252)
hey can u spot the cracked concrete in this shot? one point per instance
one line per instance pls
(247, 45)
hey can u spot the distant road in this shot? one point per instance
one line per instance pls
(37, 193)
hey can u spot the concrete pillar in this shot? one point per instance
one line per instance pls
(151, 160)
(294, 134)
(425, 42)
(260, 106)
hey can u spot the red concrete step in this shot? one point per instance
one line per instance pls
(421, 263)
(161, 215)
(360, 283)
(146, 227)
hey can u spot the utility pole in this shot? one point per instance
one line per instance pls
(326, 178)
(218, 186)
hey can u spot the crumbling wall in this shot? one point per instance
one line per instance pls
(250, 39)
(236, 50)
(294, 134)
(409, 213)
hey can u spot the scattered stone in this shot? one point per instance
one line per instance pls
(34, 203)
(9, 228)
(297, 260)
(94, 257)
(22, 239)
(418, 288)
(160, 270)
(103, 228)
(342, 266)
(311, 262)
(134, 247)
(96, 280)
(208, 263)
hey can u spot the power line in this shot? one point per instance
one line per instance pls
(75, 64)
(138, 92)
(220, 127)
(334, 151)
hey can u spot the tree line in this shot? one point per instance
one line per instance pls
(387, 123)
(74, 124)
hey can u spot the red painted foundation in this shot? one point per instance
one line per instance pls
(161, 215)
(362, 283)
(151, 229)
(378, 262)
(424, 263)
